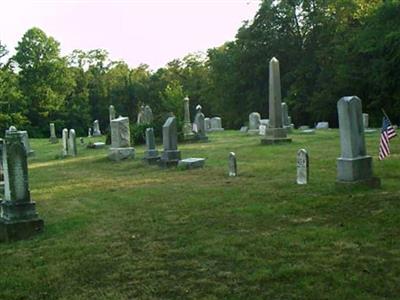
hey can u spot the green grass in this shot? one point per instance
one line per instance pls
(128, 231)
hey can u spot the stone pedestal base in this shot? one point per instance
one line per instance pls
(275, 136)
(53, 140)
(19, 230)
(354, 169)
(191, 163)
(253, 131)
(170, 158)
(373, 182)
(151, 157)
(118, 154)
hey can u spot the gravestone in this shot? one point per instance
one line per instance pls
(232, 164)
(96, 128)
(89, 132)
(216, 124)
(304, 127)
(187, 125)
(262, 130)
(322, 125)
(27, 145)
(65, 142)
(244, 129)
(275, 133)
(19, 219)
(1, 171)
(353, 165)
(120, 140)
(200, 125)
(254, 123)
(151, 155)
(264, 122)
(302, 167)
(147, 115)
(191, 163)
(72, 148)
(96, 145)
(111, 112)
(53, 138)
(285, 114)
(171, 155)
(307, 131)
(207, 124)
(365, 120)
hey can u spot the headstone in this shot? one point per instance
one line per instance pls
(72, 149)
(254, 123)
(262, 130)
(96, 145)
(187, 125)
(147, 115)
(365, 120)
(96, 128)
(302, 167)
(53, 138)
(27, 145)
(199, 120)
(89, 132)
(322, 125)
(307, 131)
(285, 114)
(207, 124)
(171, 155)
(65, 142)
(353, 165)
(120, 140)
(244, 129)
(275, 133)
(264, 122)
(304, 127)
(18, 219)
(111, 111)
(232, 164)
(1, 171)
(216, 124)
(151, 155)
(191, 163)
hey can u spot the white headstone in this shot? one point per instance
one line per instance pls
(302, 167)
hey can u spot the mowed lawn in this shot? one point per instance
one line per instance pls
(129, 231)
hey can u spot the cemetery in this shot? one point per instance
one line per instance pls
(265, 168)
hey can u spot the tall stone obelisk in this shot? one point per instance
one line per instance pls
(275, 133)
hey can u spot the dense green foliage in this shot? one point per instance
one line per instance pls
(128, 231)
(327, 49)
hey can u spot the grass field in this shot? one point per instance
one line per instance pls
(128, 231)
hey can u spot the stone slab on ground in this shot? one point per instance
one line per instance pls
(117, 154)
(191, 163)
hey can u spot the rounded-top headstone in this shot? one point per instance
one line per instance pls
(12, 128)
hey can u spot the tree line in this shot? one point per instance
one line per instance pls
(327, 49)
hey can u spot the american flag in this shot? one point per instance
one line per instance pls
(387, 134)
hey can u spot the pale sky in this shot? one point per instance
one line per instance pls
(137, 31)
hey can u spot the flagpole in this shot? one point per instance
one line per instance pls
(385, 114)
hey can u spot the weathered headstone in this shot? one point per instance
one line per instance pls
(199, 120)
(89, 132)
(285, 115)
(304, 127)
(18, 219)
(244, 129)
(232, 164)
(151, 155)
(96, 128)
(262, 130)
(111, 111)
(302, 167)
(365, 120)
(72, 148)
(353, 165)
(191, 163)
(187, 125)
(171, 155)
(207, 124)
(53, 138)
(322, 125)
(120, 140)
(65, 142)
(27, 145)
(275, 133)
(216, 124)
(254, 123)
